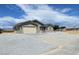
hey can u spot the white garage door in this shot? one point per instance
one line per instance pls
(29, 29)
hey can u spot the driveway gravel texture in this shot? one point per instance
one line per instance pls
(54, 43)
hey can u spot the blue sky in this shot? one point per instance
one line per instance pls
(74, 7)
(15, 11)
(10, 10)
(62, 14)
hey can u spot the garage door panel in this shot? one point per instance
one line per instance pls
(29, 30)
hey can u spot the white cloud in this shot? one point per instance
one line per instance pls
(47, 15)
(66, 10)
(8, 22)
(10, 19)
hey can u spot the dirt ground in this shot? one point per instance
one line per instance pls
(53, 43)
(73, 32)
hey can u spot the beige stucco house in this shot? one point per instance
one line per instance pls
(33, 26)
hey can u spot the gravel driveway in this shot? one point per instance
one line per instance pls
(37, 44)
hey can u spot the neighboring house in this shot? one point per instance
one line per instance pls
(7, 30)
(71, 29)
(33, 26)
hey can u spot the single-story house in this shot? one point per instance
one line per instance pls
(33, 26)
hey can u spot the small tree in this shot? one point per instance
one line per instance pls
(0, 31)
(55, 27)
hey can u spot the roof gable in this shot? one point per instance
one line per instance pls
(33, 22)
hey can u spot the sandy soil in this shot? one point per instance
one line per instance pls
(73, 32)
(55, 43)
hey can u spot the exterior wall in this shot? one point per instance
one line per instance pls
(49, 29)
(38, 29)
(20, 30)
